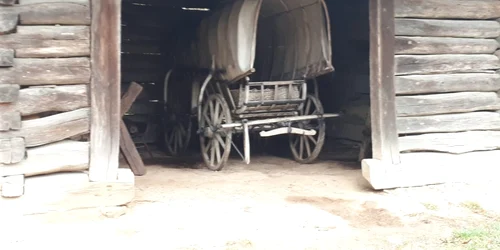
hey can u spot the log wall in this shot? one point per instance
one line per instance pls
(447, 76)
(44, 79)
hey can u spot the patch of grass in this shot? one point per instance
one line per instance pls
(473, 206)
(430, 206)
(484, 237)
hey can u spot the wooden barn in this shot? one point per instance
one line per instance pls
(432, 85)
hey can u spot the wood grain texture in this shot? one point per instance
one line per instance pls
(71, 156)
(433, 64)
(48, 41)
(10, 121)
(9, 93)
(443, 45)
(8, 22)
(420, 105)
(53, 71)
(64, 13)
(105, 90)
(447, 28)
(6, 57)
(448, 9)
(35, 100)
(53, 128)
(456, 143)
(449, 123)
(12, 150)
(443, 83)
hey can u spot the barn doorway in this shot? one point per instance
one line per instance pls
(148, 27)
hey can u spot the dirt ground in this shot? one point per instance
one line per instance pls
(273, 203)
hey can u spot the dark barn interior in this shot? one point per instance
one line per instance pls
(152, 29)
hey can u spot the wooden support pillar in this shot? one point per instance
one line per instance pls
(105, 90)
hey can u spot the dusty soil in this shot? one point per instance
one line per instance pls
(273, 203)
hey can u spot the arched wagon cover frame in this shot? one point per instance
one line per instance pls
(280, 40)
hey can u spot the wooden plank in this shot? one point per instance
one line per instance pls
(68, 191)
(53, 128)
(9, 93)
(72, 156)
(448, 9)
(433, 64)
(443, 45)
(49, 41)
(35, 100)
(8, 22)
(449, 123)
(382, 94)
(461, 102)
(456, 143)
(105, 90)
(52, 71)
(63, 13)
(6, 57)
(447, 28)
(10, 121)
(443, 83)
(13, 186)
(12, 150)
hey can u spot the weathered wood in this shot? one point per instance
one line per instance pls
(382, 94)
(9, 93)
(443, 83)
(35, 100)
(7, 2)
(68, 191)
(64, 156)
(53, 128)
(64, 13)
(448, 9)
(48, 41)
(105, 90)
(449, 123)
(432, 64)
(12, 150)
(456, 143)
(420, 105)
(443, 45)
(13, 186)
(6, 57)
(8, 22)
(10, 121)
(447, 28)
(53, 71)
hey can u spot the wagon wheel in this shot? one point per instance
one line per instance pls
(306, 148)
(215, 143)
(177, 136)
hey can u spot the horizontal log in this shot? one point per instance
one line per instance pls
(10, 121)
(41, 13)
(433, 64)
(53, 128)
(443, 45)
(35, 100)
(71, 156)
(448, 9)
(462, 102)
(7, 2)
(443, 83)
(54, 71)
(6, 57)
(9, 93)
(8, 22)
(456, 143)
(12, 150)
(449, 123)
(447, 28)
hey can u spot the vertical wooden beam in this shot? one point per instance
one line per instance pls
(382, 93)
(105, 90)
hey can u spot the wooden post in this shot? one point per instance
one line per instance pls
(382, 93)
(105, 90)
